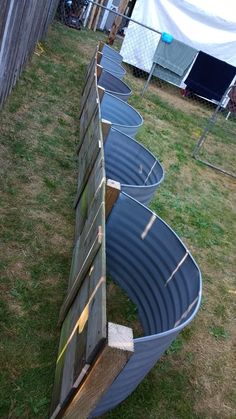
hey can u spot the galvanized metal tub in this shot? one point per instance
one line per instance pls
(111, 53)
(148, 260)
(122, 116)
(114, 85)
(112, 66)
(131, 164)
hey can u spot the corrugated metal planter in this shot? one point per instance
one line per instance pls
(112, 66)
(111, 53)
(148, 260)
(114, 85)
(122, 116)
(131, 164)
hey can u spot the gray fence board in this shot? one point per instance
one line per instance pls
(22, 24)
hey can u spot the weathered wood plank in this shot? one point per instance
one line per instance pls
(90, 106)
(98, 15)
(116, 24)
(109, 363)
(89, 242)
(22, 24)
(60, 365)
(74, 325)
(97, 311)
(91, 66)
(101, 92)
(92, 195)
(91, 80)
(72, 364)
(98, 71)
(99, 57)
(91, 17)
(74, 361)
(106, 126)
(113, 189)
(89, 151)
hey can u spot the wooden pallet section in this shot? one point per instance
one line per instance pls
(89, 345)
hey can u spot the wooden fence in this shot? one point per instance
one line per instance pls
(92, 352)
(22, 24)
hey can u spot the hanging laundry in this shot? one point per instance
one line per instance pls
(209, 76)
(172, 60)
(232, 102)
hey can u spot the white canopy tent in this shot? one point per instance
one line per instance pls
(206, 25)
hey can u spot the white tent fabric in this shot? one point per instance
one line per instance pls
(206, 25)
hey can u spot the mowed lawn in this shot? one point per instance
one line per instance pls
(39, 127)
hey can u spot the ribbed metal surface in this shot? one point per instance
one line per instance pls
(114, 85)
(112, 54)
(148, 260)
(131, 164)
(122, 116)
(112, 66)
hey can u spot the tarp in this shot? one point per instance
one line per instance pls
(206, 25)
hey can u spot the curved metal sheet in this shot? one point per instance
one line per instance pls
(149, 261)
(112, 54)
(114, 85)
(112, 66)
(121, 115)
(131, 164)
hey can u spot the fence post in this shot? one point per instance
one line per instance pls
(121, 9)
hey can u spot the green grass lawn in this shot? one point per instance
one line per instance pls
(39, 127)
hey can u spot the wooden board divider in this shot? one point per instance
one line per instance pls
(99, 69)
(100, 46)
(111, 360)
(113, 189)
(90, 67)
(88, 151)
(92, 351)
(80, 276)
(101, 92)
(106, 126)
(99, 56)
(91, 83)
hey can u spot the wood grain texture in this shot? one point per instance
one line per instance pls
(98, 15)
(113, 189)
(86, 318)
(92, 196)
(98, 69)
(73, 329)
(22, 24)
(91, 17)
(89, 151)
(109, 363)
(106, 126)
(116, 24)
(88, 111)
(90, 67)
(91, 80)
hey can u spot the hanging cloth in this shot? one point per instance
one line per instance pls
(173, 60)
(209, 76)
